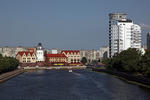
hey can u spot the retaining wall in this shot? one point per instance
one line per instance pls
(139, 79)
(8, 75)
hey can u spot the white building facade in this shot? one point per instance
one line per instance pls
(104, 52)
(123, 34)
(40, 53)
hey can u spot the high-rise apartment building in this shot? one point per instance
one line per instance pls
(123, 34)
(148, 40)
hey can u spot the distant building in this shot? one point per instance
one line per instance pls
(73, 56)
(26, 58)
(31, 49)
(54, 51)
(104, 52)
(123, 34)
(56, 60)
(11, 51)
(1, 50)
(84, 53)
(148, 40)
(7, 52)
(93, 55)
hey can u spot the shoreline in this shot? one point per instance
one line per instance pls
(55, 68)
(139, 81)
(8, 75)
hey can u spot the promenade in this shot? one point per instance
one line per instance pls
(8, 75)
(55, 67)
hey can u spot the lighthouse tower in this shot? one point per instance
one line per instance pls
(40, 53)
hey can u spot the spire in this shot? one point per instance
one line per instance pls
(39, 46)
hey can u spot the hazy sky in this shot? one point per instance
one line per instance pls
(65, 24)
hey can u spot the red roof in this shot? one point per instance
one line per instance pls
(70, 51)
(55, 55)
(25, 52)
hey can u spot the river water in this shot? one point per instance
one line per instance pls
(64, 85)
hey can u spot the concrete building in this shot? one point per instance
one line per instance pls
(11, 51)
(148, 40)
(104, 52)
(123, 34)
(136, 36)
(92, 55)
(84, 53)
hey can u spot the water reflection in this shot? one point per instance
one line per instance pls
(63, 85)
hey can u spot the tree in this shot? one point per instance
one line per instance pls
(84, 60)
(145, 64)
(107, 63)
(126, 61)
(8, 64)
(94, 62)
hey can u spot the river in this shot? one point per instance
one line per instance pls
(64, 85)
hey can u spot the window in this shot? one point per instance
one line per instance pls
(71, 60)
(78, 60)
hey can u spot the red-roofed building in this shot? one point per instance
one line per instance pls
(73, 56)
(26, 58)
(55, 60)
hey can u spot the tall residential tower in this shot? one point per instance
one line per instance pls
(123, 34)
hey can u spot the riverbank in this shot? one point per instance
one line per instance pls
(137, 80)
(8, 75)
(54, 68)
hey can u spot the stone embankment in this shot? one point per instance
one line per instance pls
(55, 67)
(139, 80)
(8, 75)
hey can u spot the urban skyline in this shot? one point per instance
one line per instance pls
(74, 49)
(65, 25)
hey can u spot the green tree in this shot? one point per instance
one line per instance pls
(8, 64)
(145, 64)
(84, 60)
(94, 62)
(126, 61)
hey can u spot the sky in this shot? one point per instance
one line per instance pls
(66, 24)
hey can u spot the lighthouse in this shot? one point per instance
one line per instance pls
(40, 53)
